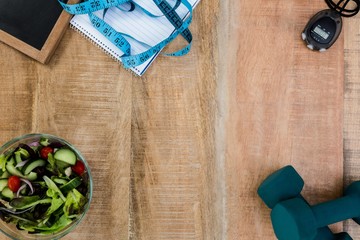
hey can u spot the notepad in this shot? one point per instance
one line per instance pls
(138, 24)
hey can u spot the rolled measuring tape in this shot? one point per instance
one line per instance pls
(119, 39)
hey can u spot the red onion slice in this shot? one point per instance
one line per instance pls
(21, 164)
(21, 188)
(29, 184)
(34, 144)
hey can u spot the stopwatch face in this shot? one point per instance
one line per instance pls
(322, 30)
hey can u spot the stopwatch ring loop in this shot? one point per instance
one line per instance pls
(342, 10)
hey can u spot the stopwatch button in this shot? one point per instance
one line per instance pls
(310, 46)
(303, 36)
(322, 50)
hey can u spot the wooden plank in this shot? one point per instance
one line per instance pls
(90, 105)
(352, 109)
(173, 171)
(16, 93)
(83, 96)
(284, 106)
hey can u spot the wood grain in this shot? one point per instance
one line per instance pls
(284, 106)
(92, 110)
(86, 100)
(352, 109)
(173, 170)
(180, 152)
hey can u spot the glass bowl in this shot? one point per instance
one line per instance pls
(10, 229)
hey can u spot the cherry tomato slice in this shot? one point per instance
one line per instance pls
(78, 168)
(44, 152)
(14, 183)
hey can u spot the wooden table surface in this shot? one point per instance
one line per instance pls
(180, 152)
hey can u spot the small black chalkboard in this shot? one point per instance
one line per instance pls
(33, 27)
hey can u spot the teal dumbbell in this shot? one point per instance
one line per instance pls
(293, 218)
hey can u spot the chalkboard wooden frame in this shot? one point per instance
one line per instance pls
(44, 54)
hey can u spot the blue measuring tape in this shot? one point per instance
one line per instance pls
(118, 38)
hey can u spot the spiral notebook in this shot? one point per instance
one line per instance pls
(138, 24)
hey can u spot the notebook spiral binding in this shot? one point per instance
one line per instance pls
(102, 47)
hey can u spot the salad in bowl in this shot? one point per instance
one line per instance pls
(45, 187)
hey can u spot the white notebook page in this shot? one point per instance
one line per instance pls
(138, 24)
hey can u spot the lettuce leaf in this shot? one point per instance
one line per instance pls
(74, 203)
(58, 225)
(51, 185)
(55, 205)
(28, 201)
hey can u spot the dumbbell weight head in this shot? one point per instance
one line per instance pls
(354, 190)
(283, 184)
(278, 191)
(293, 219)
(326, 234)
(342, 236)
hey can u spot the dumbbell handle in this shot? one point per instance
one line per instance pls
(336, 210)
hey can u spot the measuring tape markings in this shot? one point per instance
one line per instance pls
(88, 7)
(174, 18)
(177, 4)
(130, 61)
(111, 34)
(135, 60)
(176, 21)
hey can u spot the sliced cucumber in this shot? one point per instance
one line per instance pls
(65, 155)
(61, 165)
(68, 171)
(5, 174)
(31, 176)
(11, 161)
(28, 167)
(13, 171)
(73, 183)
(7, 194)
(61, 181)
(3, 183)
(17, 157)
(24, 191)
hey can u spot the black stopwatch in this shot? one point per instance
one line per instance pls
(322, 30)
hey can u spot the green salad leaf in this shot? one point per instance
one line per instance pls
(59, 224)
(22, 153)
(3, 160)
(28, 201)
(44, 142)
(51, 161)
(74, 203)
(62, 222)
(51, 185)
(56, 203)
